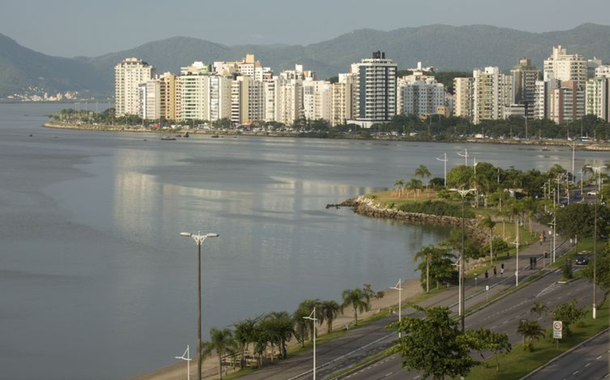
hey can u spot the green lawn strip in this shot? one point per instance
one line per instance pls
(240, 373)
(519, 363)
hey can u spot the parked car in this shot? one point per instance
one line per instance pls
(593, 192)
(582, 258)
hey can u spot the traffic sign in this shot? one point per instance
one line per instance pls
(557, 329)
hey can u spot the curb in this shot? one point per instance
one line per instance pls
(563, 354)
(358, 368)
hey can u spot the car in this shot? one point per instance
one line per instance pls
(593, 192)
(582, 258)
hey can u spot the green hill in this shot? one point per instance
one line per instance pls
(445, 47)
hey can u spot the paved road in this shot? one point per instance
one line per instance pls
(503, 316)
(360, 344)
(588, 362)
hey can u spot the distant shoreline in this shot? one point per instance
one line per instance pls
(601, 147)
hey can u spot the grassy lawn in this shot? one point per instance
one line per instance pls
(519, 363)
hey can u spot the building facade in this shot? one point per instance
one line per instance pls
(128, 76)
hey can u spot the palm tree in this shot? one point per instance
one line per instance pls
(426, 254)
(414, 184)
(329, 311)
(399, 185)
(539, 308)
(357, 299)
(489, 224)
(530, 331)
(244, 335)
(307, 307)
(421, 172)
(282, 329)
(220, 341)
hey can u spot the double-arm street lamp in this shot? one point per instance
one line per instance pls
(463, 193)
(313, 319)
(199, 239)
(187, 358)
(597, 170)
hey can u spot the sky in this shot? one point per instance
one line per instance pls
(71, 28)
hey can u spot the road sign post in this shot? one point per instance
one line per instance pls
(557, 331)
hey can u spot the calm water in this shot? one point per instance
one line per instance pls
(95, 281)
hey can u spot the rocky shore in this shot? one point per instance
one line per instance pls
(367, 207)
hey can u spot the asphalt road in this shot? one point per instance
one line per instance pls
(588, 362)
(502, 316)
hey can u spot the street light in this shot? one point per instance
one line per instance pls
(516, 243)
(399, 288)
(463, 193)
(465, 155)
(444, 159)
(312, 317)
(199, 239)
(186, 357)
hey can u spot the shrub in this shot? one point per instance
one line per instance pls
(439, 208)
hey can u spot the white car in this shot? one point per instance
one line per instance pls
(592, 192)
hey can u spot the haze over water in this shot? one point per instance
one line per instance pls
(95, 281)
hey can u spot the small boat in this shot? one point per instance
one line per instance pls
(186, 134)
(215, 136)
(168, 138)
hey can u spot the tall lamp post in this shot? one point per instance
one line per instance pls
(463, 193)
(312, 317)
(465, 155)
(399, 288)
(597, 170)
(187, 358)
(199, 239)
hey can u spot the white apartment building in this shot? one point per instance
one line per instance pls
(288, 100)
(203, 95)
(128, 75)
(463, 97)
(317, 101)
(374, 90)
(597, 97)
(342, 100)
(420, 95)
(566, 67)
(542, 95)
(492, 93)
(150, 100)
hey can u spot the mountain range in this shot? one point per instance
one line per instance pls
(445, 47)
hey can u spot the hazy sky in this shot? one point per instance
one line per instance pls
(94, 27)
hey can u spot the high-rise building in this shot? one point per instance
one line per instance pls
(167, 96)
(492, 92)
(524, 77)
(317, 101)
(420, 95)
(598, 94)
(128, 75)
(542, 96)
(204, 95)
(374, 90)
(463, 97)
(567, 102)
(341, 103)
(150, 96)
(566, 67)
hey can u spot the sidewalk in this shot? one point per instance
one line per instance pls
(475, 293)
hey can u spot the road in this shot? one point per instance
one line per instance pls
(502, 316)
(588, 362)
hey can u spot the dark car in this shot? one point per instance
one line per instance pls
(582, 259)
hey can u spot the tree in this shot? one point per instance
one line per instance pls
(244, 335)
(414, 184)
(437, 266)
(281, 329)
(304, 310)
(489, 224)
(357, 299)
(486, 340)
(578, 219)
(399, 185)
(569, 313)
(422, 171)
(459, 176)
(433, 345)
(220, 341)
(329, 312)
(539, 308)
(530, 331)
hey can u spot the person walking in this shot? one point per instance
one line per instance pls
(495, 272)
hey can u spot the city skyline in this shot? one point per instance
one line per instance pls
(67, 28)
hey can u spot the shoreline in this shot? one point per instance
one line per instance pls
(595, 147)
(410, 289)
